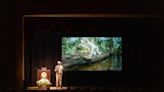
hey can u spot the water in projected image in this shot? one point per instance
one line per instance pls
(92, 53)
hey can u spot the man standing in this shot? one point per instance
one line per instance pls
(59, 73)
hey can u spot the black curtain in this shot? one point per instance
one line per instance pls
(43, 49)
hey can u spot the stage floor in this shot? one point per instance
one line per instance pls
(51, 88)
(65, 88)
(85, 89)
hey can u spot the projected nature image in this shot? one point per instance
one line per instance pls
(92, 53)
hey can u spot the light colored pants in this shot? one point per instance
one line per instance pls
(59, 79)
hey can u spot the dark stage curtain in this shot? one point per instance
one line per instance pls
(43, 49)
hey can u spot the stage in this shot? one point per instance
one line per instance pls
(51, 88)
(85, 89)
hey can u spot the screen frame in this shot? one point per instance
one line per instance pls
(96, 70)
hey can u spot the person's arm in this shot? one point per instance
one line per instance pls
(55, 69)
(62, 68)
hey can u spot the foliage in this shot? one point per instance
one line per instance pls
(73, 45)
(43, 82)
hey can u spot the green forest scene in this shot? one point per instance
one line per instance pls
(92, 53)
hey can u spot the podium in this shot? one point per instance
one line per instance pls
(44, 70)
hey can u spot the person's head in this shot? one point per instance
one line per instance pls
(59, 62)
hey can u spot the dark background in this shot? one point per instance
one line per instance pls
(141, 49)
(144, 62)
